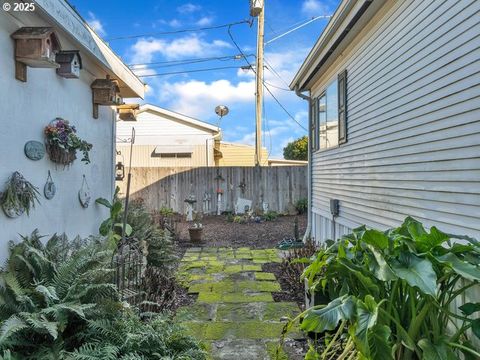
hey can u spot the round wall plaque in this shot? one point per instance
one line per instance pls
(34, 150)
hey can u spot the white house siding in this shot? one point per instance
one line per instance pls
(26, 109)
(153, 129)
(413, 122)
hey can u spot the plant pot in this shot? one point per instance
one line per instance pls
(195, 234)
(61, 156)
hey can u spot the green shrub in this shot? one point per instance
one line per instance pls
(301, 206)
(270, 215)
(391, 295)
(166, 211)
(237, 219)
(57, 302)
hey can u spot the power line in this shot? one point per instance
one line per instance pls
(298, 27)
(189, 71)
(178, 31)
(265, 85)
(171, 63)
(270, 67)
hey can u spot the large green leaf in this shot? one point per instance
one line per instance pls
(463, 268)
(116, 209)
(367, 314)
(470, 308)
(381, 269)
(415, 228)
(128, 228)
(104, 202)
(428, 241)
(440, 351)
(365, 278)
(376, 238)
(416, 272)
(379, 343)
(476, 327)
(327, 318)
(105, 227)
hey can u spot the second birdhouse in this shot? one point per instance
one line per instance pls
(70, 64)
(105, 92)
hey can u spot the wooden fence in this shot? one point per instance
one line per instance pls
(279, 187)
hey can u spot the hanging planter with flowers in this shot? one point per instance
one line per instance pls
(62, 143)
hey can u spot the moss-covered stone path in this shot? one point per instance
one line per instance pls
(235, 313)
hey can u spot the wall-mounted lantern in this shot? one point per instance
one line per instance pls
(35, 47)
(119, 171)
(70, 64)
(128, 112)
(105, 92)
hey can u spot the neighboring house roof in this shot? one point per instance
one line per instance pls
(349, 19)
(286, 162)
(64, 16)
(177, 116)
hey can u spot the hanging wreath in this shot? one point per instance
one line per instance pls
(62, 143)
(19, 196)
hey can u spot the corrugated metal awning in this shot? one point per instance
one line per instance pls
(173, 149)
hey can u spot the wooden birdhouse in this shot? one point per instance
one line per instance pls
(128, 112)
(34, 47)
(105, 92)
(70, 64)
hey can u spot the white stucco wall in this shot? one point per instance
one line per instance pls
(26, 108)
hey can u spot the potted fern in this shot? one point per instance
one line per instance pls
(19, 196)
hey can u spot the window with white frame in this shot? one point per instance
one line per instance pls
(329, 120)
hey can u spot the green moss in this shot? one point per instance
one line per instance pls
(193, 264)
(196, 329)
(259, 330)
(264, 276)
(262, 286)
(214, 268)
(209, 297)
(196, 312)
(252, 268)
(240, 311)
(231, 269)
(275, 311)
(247, 297)
(220, 330)
(223, 286)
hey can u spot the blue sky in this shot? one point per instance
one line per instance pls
(197, 94)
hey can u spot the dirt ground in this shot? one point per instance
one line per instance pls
(218, 232)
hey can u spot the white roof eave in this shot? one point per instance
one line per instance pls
(72, 23)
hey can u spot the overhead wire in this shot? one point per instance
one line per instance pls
(264, 84)
(136, 36)
(189, 71)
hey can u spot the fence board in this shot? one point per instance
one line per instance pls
(279, 187)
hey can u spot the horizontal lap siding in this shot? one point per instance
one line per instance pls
(413, 122)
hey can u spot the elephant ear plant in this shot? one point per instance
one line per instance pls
(19, 196)
(393, 295)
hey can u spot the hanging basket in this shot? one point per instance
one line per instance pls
(61, 156)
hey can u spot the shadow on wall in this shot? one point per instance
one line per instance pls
(277, 188)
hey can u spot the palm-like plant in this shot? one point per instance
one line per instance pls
(392, 295)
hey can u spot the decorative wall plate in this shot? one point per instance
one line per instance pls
(34, 150)
(84, 193)
(49, 189)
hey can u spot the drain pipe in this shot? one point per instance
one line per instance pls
(309, 165)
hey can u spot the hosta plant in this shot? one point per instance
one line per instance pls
(394, 295)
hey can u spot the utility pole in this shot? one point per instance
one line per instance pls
(257, 8)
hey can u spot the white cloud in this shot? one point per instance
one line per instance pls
(199, 98)
(188, 8)
(175, 23)
(145, 49)
(205, 21)
(315, 7)
(95, 24)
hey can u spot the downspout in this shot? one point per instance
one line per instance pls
(309, 166)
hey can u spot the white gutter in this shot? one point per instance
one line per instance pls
(308, 231)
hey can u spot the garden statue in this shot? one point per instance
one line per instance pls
(189, 210)
(207, 198)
